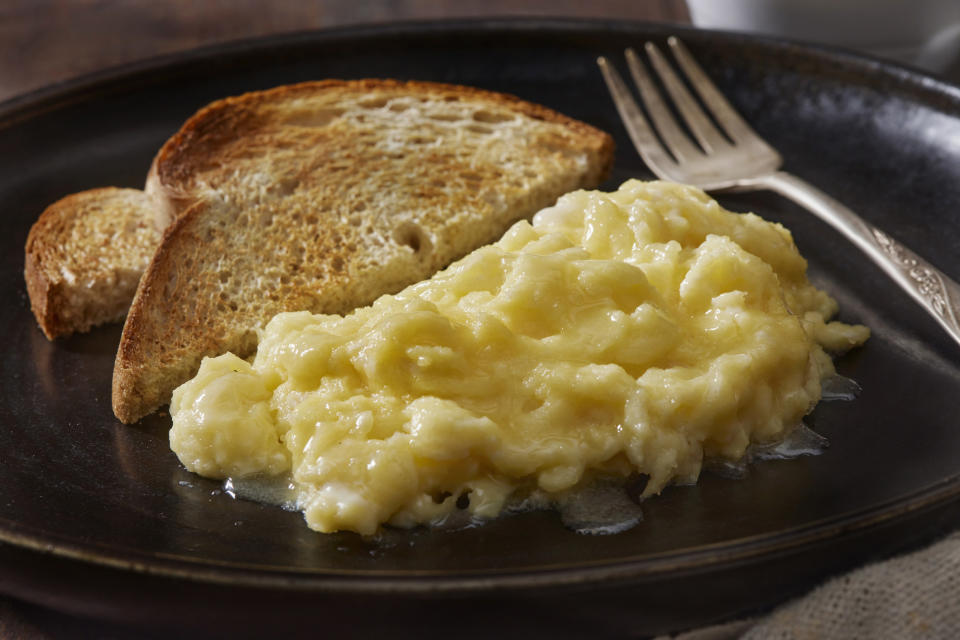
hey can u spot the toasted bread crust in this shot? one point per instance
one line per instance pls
(84, 256)
(171, 181)
(323, 196)
(180, 238)
(42, 293)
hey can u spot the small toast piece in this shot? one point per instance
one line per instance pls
(323, 196)
(84, 257)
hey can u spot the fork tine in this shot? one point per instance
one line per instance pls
(644, 140)
(676, 140)
(700, 126)
(735, 126)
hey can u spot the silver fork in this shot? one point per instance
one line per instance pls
(736, 158)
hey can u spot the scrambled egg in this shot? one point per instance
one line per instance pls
(639, 331)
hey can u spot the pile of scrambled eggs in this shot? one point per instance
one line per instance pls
(639, 331)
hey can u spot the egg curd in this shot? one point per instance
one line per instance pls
(635, 332)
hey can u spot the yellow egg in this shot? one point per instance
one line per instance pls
(639, 331)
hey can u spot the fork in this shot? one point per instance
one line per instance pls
(733, 157)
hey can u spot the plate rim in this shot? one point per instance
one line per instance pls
(755, 548)
(25, 105)
(695, 560)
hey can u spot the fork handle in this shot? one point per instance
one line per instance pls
(934, 290)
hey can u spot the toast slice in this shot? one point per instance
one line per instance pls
(84, 257)
(323, 196)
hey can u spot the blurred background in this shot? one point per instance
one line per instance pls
(48, 41)
(43, 42)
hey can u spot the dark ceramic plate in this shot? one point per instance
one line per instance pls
(100, 518)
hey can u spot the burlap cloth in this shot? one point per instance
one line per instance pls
(912, 596)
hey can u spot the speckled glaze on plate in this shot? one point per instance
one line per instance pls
(99, 518)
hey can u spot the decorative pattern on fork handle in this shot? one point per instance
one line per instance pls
(928, 283)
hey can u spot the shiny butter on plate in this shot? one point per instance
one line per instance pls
(643, 331)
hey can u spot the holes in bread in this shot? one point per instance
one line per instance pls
(264, 216)
(373, 102)
(313, 117)
(556, 144)
(399, 107)
(493, 198)
(479, 128)
(354, 214)
(283, 188)
(444, 117)
(490, 117)
(420, 140)
(413, 236)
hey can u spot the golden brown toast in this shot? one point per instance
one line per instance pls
(323, 196)
(84, 257)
